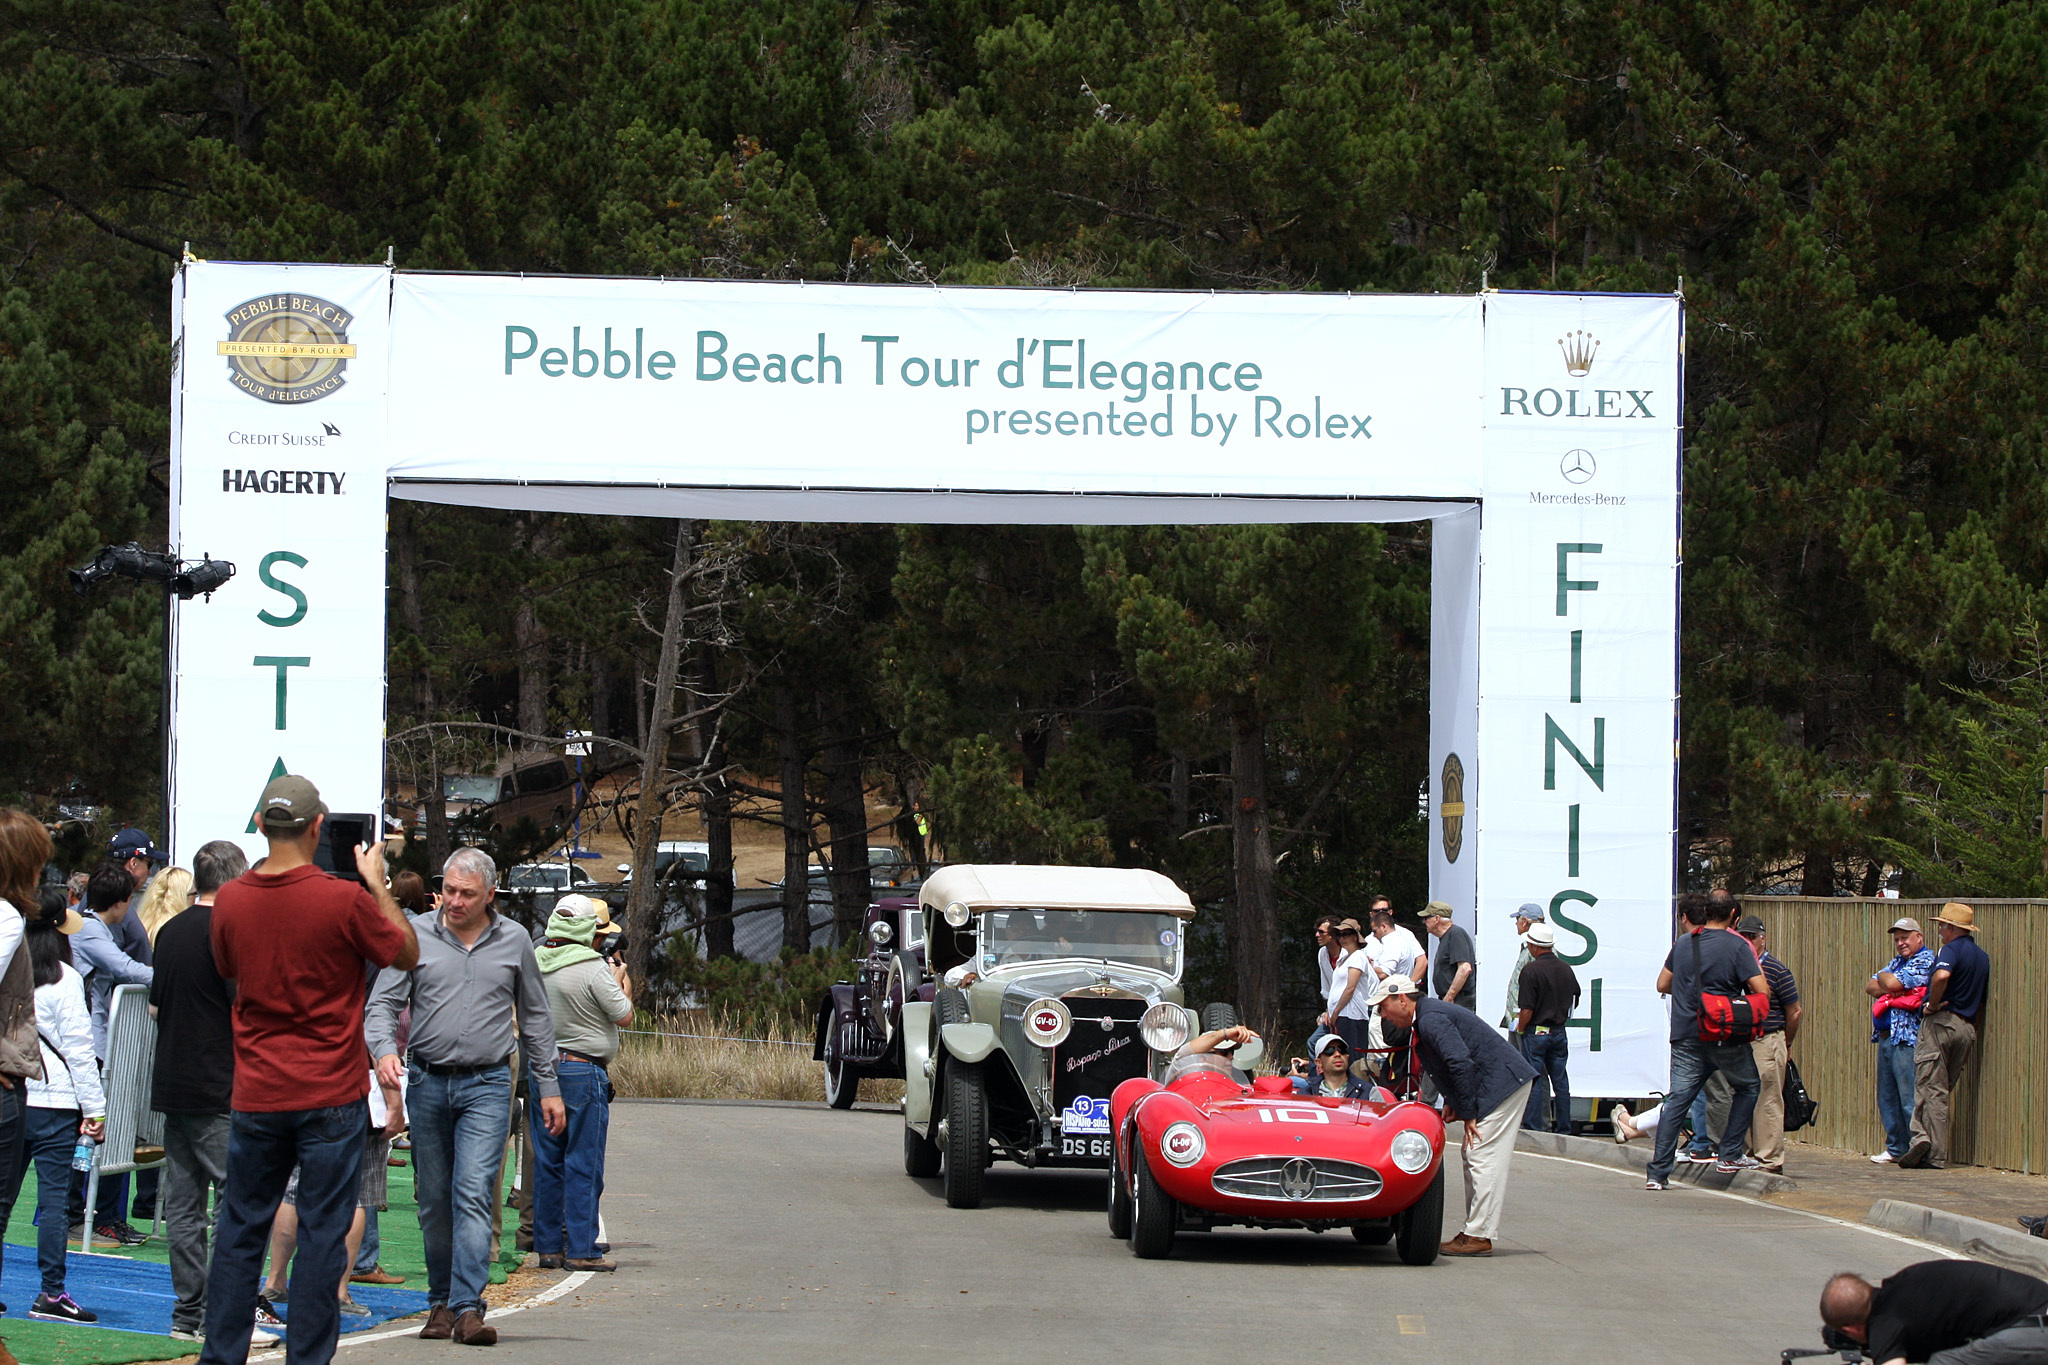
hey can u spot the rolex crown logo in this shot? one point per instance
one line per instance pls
(1579, 349)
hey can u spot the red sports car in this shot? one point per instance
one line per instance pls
(1203, 1150)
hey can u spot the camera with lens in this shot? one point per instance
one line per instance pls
(611, 945)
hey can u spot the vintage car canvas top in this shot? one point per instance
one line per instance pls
(983, 886)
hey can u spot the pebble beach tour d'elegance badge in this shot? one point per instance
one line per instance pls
(287, 348)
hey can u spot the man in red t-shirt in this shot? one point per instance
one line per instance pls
(299, 944)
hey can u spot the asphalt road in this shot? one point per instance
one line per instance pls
(791, 1233)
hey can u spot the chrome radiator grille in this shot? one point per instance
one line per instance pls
(1299, 1179)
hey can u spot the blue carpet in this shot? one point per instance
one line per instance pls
(135, 1296)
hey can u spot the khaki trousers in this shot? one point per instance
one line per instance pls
(1767, 1125)
(1487, 1162)
(1946, 1042)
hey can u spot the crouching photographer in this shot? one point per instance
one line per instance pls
(1941, 1312)
(590, 995)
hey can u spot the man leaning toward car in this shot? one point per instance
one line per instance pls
(476, 972)
(1484, 1081)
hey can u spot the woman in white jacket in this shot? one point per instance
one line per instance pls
(67, 1103)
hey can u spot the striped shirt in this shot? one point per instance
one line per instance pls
(1784, 991)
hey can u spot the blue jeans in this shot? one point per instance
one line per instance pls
(1548, 1052)
(459, 1125)
(373, 1243)
(568, 1173)
(1702, 1143)
(327, 1147)
(52, 1138)
(1691, 1064)
(1895, 1095)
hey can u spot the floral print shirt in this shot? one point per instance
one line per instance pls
(1904, 1025)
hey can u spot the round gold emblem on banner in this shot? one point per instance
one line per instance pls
(287, 348)
(1452, 808)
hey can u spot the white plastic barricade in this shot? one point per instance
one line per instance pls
(134, 1130)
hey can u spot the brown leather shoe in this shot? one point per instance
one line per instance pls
(1461, 1245)
(440, 1324)
(376, 1274)
(593, 1263)
(472, 1330)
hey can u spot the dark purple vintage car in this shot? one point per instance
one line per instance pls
(860, 1021)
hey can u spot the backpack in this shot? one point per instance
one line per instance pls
(1801, 1109)
(1726, 1019)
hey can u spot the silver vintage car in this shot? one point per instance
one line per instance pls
(1055, 985)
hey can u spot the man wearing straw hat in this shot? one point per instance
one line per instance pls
(1948, 1032)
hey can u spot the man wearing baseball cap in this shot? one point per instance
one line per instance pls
(1484, 1081)
(1897, 992)
(1948, 1031)
(1456, 960)
(1529, 913)
(295, 941)
(1550, 990)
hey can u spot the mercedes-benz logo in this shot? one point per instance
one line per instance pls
(1578, 466)
(1298, 1178)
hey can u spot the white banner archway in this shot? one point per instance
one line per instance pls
(1538, 432)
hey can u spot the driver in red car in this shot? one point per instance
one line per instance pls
(1330, 1073)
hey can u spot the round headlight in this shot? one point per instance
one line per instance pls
(957, 914)
(1182, 1144)
(879, 933)
(1410, 1151)
(1047, 1022)
(1164, 1027)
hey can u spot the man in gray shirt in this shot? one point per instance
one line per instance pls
(476, 973)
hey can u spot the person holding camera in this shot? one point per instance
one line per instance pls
(1941, 1312)
(590, 995)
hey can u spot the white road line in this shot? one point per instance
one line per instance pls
(1946, 1253)
(549, 1295)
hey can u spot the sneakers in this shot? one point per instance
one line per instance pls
(266, 1314)
(1653, 1183)
(187, 1334)
(260, 1338)
(60, 1308)
(1700, 1158)
(1885, 1159)
(1916, 1155)
(351, 1309)
(1741, 1163)
(121, 1234)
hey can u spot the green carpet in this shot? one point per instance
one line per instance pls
(56, 1343)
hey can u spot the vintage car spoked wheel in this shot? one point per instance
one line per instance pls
(966, 1135)
(1153, 1214)
(1373, 1236)
(1119, 1194)
(1419, 1231)
(842, 1081)
(920, 1155)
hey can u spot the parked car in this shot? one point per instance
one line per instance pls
(1053, 985)
(678, 860)
(539, 787)
(887, 866)
(1202, 1149)
(860, 1022)
(557, 877)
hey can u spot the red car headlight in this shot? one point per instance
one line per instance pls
(1410, 1151)
(1182, 1144)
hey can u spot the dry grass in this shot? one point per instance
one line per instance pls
(693, 1057)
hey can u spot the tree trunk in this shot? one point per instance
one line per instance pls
(531, 645)
(1257, 921)
(796, 824)
(600, 695)
(1177, 794)
(716, 802)
(405, 553)
(644, 904)
(846, 813)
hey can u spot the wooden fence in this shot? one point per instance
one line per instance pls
(1833, 946)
